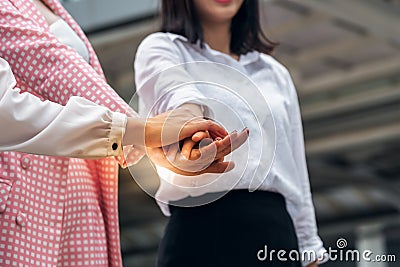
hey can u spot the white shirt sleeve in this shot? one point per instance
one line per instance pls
(310, 243)
(80, 129)
(160, 77)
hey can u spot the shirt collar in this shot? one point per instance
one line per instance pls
(245, 59)
(174, 37)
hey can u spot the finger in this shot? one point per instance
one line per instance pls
(203, 157)
(223, 151)
(193, 126)
(207, 147)
(217, 130)
(197, 137)
(187, 147)
(226, 146)
(172, 152)
(205, 142)
(237, 141)
(220, 159)
(241, 138)
(227, 141)
(209, 151)
(213, 150)
(157, 156)
(197, 125)
(216, 136)
(204, 149)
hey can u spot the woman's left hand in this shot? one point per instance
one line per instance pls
(208, 158)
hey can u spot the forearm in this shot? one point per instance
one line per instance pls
(81, 129)
(169, 127)
(195, 109)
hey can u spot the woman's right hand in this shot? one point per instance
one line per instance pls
(168, 128)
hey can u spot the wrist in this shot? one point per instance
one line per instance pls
(134, 132)
(195, 109)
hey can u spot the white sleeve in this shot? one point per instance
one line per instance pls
(304, 218)
(160, 75)
(80, 129)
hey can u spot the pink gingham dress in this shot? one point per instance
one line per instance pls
(55, 211)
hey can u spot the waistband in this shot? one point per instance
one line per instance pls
(233, 197)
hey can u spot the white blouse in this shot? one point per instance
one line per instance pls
(68, 36)
(280, 169)
(81, 129)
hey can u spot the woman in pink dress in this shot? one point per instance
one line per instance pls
(58, 211)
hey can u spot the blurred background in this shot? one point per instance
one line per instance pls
(344, 57)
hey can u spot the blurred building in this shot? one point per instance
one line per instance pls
(344, 57)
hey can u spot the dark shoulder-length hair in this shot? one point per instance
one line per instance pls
(179, 17)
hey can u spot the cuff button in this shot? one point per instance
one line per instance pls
(115, 146)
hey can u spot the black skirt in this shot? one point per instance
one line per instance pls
(241, 229)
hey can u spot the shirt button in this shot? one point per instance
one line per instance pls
(25, 162)
(4, 194)
(115, 146)
(21, 219)
(3, 206)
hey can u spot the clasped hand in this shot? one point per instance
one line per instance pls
(198, 154)
(190, 145)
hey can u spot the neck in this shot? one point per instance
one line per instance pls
(218, 37)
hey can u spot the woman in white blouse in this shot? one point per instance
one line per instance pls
(241, 228)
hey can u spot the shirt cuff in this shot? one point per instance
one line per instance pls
(118, 125)
(124, 155)
(309, 256)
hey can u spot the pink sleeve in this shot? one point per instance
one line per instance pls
(49, 69)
